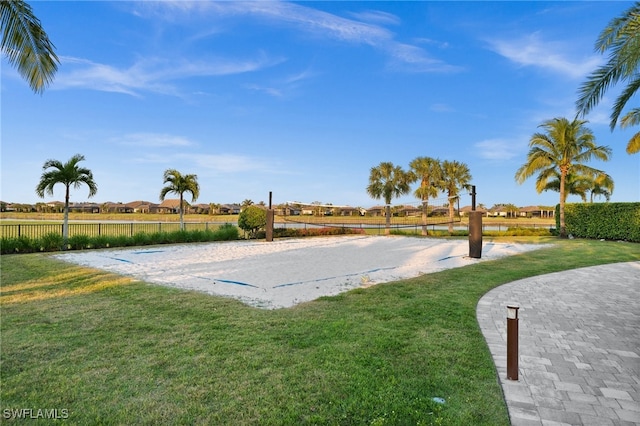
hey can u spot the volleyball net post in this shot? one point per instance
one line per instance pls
(475, 228)
(270, 218)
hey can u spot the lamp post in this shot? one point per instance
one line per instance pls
(512, 341)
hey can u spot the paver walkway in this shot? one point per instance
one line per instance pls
(579, 346)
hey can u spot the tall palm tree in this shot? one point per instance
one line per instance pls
(583, 185)
(67, 174)
(179, 184)
(562, 150)
(455, 177)
(622, 39)
(388, 181)
(429, 172)
(26, 44)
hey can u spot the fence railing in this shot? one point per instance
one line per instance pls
(39, 230)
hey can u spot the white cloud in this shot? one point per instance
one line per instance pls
(152, 140)
(324, 25)
(499, 149)
(377, 17)
(150, 75)
(533, 51)
(226, 163)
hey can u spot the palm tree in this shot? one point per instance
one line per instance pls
(26, 44)
(622, 39)
(562, 150)
(429, 172)
(582, 185)
(388, 181)
(455, 177)
(602, 185)
(179, 184)
(67, 174)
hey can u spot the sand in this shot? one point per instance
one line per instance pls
(281, 274)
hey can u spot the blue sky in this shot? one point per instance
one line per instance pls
(302, 99)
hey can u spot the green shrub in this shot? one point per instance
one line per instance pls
(51, 242)
(79, 242)
(609, 221)
(21, 244)
(252, 219)
(141, 239)
(100, 241)
(226, 232)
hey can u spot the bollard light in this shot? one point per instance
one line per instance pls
(512, 341)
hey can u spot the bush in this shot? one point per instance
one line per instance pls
(21, 244)
(54, 242)
(609, 221)
(252, 219)
(51, 242)
(141, 239)
(226, 232)
(310, 232)
(79, 242)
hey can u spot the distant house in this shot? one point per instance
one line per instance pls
(499, 210)
(348, 211)
(230, 209)
(201, 208)
(116, 208)
(440, 211)
(142, 206)
(537, 211)
(169, 206)
(409, 211)
(464, 211)
(286, 210)
(376, 211)
(84, 208)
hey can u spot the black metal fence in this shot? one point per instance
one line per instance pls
(95, 229)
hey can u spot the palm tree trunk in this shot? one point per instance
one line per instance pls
(450, 216)
(387, 221)
(563, 230)
(424, 218)
(65, 221)
(181, 218)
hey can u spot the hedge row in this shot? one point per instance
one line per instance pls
(310, 232)
(54, 241)
(609, 221)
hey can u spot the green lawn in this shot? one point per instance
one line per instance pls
(112, 350)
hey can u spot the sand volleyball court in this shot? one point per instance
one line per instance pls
(284, 273)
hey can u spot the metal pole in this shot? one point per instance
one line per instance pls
(269, 228)
(473, 197)
(512, 342)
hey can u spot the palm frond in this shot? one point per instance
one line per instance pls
(26, 44)
(633, 146)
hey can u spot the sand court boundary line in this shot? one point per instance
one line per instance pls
(284, 273)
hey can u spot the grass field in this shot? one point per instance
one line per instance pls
(111, 350)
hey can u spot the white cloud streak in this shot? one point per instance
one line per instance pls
(499, 149)
(152, 140)
(404, 57)
(150, 75)
(533, 51)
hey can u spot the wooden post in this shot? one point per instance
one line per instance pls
(475, 228)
